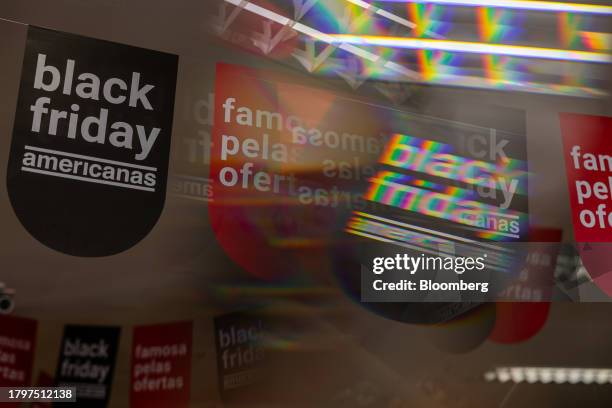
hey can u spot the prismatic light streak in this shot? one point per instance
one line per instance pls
(472, 47)
(551, 6)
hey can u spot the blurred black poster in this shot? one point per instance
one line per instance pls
(91, 141)
(448, 189)
(87, 362)
(240, 351)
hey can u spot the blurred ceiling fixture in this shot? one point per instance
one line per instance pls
(7, 301)
(550, 375)
(318, 35)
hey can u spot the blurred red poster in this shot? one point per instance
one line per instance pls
(588, 162)
(288, 164)
(524, 306)
(161, 365)
(17, 344)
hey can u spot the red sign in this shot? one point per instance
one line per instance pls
(17, 344)
(588, 162)
(161, 365)
(524, 305)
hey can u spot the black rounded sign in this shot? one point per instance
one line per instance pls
(89, 157)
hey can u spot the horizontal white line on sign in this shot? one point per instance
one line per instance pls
(96, 159)
(87, 179)
(504, 234)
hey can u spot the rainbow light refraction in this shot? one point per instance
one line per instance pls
(445, 199)
(496, 25)
(570, 26)
(501, 70)
(574, 33)
(432, 43)
(429, 18)
(437, 64)
(597, 41)
(436, 159)
(430, 21)
(500, 25)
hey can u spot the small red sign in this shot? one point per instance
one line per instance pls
(161, 365)
(588, 162)
(17, 345)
